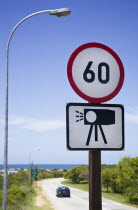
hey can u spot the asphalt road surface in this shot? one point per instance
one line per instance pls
(78, 199)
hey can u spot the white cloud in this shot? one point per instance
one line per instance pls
(132, 116)
(36, 124)
(46, 125)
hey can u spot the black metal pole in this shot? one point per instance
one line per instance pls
(95, 201)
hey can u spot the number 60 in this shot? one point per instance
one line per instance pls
(88, 71)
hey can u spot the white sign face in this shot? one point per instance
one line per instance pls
(95, 72)
(93, 127)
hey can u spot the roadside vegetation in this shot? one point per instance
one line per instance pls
(22, 195)
(119, 182)
(54, 174)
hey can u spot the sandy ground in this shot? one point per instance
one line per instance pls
(39, 201)
(42, 199)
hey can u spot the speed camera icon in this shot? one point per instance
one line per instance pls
(96, 118)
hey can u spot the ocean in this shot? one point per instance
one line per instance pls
(47, 166)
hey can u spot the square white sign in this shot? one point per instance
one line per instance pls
(95, 127)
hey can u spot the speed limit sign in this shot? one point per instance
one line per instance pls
(95, 72)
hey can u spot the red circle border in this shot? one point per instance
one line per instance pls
(74, 86)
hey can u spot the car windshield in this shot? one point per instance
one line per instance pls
(63, 188)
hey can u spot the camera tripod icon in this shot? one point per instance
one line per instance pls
(96, 118)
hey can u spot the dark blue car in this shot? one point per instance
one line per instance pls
(63, 191)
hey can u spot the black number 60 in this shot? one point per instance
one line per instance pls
(89, 75)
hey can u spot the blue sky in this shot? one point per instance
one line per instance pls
(38, 84)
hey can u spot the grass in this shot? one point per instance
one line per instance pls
(30, 201)
(118, 198)
(83, 185)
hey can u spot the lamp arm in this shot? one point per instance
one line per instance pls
(14, 29)
(6, 108)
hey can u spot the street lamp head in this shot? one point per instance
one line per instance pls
(37, 148)
(60, 12)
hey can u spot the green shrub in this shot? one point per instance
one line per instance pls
(57, 174)
(27, 189)
(127, 173)
(45, 175)
(22, 176)
(74, 174)
(106, 177)
(15, 195)
(114, 181)
(84, 174)
(67, 174)
(132, 194)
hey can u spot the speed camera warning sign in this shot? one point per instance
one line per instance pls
(92, 127)
(95, 72)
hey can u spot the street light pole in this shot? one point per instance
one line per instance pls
(58, 12)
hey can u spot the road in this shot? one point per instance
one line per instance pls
(78, 200)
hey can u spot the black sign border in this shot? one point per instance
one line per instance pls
(92, 105)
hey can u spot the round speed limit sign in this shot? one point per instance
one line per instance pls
(95, 72)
